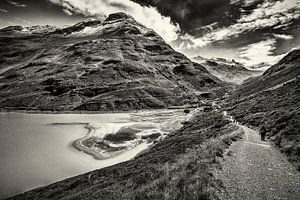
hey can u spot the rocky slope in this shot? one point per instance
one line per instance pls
(273, 100)
(228, 71)
(116, 64)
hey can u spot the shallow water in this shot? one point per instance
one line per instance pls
(36, 149)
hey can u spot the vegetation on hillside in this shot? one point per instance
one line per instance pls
(278, 109)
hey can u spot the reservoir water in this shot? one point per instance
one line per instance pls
(37, 149)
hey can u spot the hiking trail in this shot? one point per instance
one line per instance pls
(254, 170)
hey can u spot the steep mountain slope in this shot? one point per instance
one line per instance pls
(273, 100)
(116, 64)
(228, 71)
(284, 71)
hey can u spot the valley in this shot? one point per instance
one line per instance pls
(189, 119)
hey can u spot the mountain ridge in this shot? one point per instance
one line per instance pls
(229, 71)
(117, 64)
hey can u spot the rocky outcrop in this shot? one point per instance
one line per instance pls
(117, 64)
(78, 27)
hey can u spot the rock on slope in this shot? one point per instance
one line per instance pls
(228, 71)
(273, 100)
(116, 64)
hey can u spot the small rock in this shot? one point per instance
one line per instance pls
(186, 123)
(186, 111)
(229, 153)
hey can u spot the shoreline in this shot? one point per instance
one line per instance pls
(86, 112)
(78, 144)
(80, 147)
(109, 158)
(69, 112)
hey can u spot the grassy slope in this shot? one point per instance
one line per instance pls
(178, 167)
(279, 111)
(272, 100)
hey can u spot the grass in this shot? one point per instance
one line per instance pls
(190, 177)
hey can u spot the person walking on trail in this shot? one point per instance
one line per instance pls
(263, 132)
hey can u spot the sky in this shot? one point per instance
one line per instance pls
(253, 32)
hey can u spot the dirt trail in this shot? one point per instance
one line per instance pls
(255, 170)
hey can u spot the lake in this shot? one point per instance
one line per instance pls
(37, 149)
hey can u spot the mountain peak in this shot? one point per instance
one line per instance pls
(118, 15)
(11, 28)
(293, 56)
(117, 64)
(228, 71)
(289, 62)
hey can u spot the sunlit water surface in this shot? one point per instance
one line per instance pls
(36, 149)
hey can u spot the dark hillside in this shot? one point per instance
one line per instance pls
(273, 100)
(284, 71)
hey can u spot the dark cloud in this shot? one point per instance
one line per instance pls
(34, 12)
(273, 26)
(16, 4)
(119, 5)
(194, 15)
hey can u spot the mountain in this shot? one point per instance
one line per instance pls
(261, 66)
(286, 70)
(228, 71)
(272, 100)
(117, 64)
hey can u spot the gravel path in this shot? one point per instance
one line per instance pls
(254, 170)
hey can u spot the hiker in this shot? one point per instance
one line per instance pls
(263, 132)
